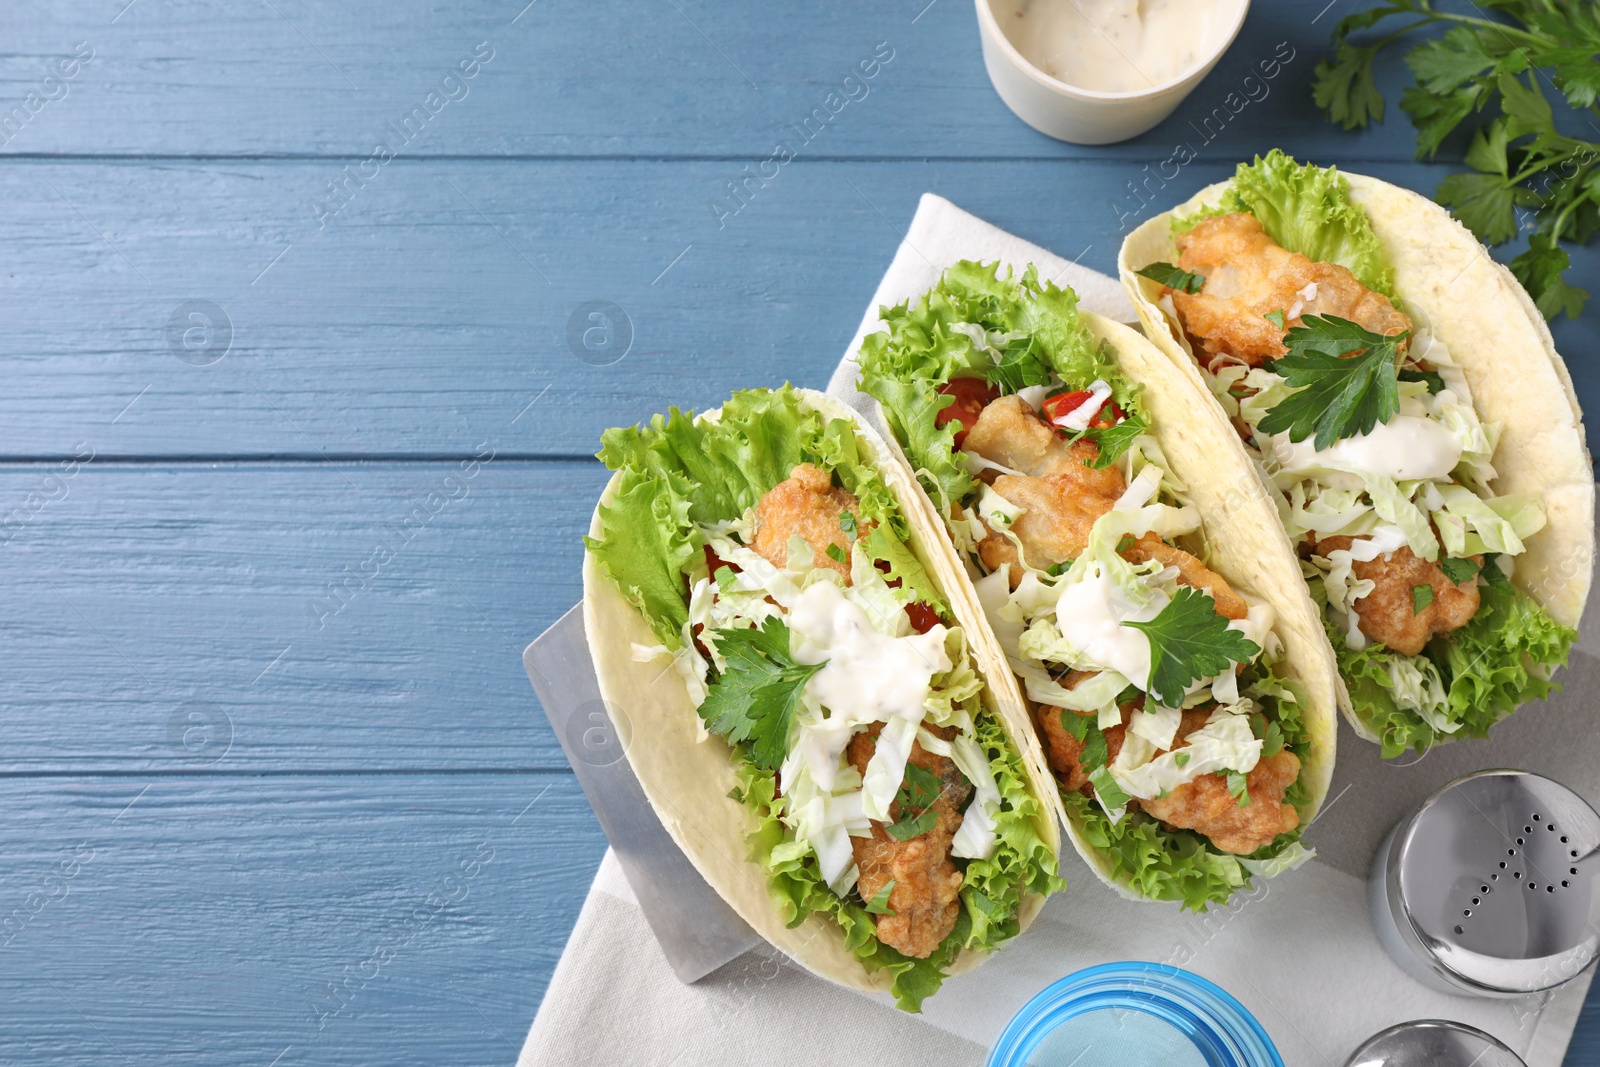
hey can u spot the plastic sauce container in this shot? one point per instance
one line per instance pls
(1134, 1015)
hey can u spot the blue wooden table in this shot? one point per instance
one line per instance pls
(295, 425)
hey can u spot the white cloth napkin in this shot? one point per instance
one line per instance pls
(1297, 950)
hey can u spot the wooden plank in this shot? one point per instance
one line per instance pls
(445, 297)
(225, 920)
(248, 619)
(647, 79)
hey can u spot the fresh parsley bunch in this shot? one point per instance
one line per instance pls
(1517, 156)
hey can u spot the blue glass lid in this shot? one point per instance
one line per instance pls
(1134, 1015)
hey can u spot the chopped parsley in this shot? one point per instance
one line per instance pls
(1075, 724)
(836, 553)
(1338, 394)
(1107, 791)
(1056, 570)
(755, 698)
(1276, 318)
(1181, 758)
(1238, 788)
(1019, 366)
(918, 791)
(1459, 569)
(848, 523)
(879, 904)
(1173, 277)
(1415, 374)
(1189, 640)
(1421, 597)
(1113, 441)
(1269, 732)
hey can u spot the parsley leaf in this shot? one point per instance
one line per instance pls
(836, 553)
(1189, 640)
(1094, 754)
(848, 523)
(879, 904)
(1075, 724)
(1173, 277)
(1269, 733)
(1181, 758)
(915, 826)
(1457, 569)
(1486, 77)
(755, 698)
(1276, 318)
(1421, 597)
(1338, 394)
(1115, 440)
(1238, 788)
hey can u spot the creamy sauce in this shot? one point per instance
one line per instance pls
(866, 676)
(1090, 615)
(1407, 448)
(1115, 46)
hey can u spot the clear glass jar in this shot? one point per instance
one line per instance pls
(1134, 1015)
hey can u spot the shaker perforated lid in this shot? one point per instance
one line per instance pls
(1433, 1043)
(1495, 882)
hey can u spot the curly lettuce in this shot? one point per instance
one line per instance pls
(677, 472)
(1499, 660)
(977, 323)
(1306, 209)
(992, 889)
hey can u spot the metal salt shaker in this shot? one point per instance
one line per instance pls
(1433, 1043)
(1489, 887)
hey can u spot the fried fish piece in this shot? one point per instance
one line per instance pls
(1191, 572)
(1388, 613)
(1205, 806)
(1062, 750)
(1248, 275)
(806, 505)
(925, 899)
(1060, 493)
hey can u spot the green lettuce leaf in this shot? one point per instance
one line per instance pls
(676, 472)
(922, 346)
(1495, 663)
(1307, 209)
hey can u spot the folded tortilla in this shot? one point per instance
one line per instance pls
(1239, 539)
(1447, 279)
(688, 779)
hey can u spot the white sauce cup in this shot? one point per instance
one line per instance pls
(1087, 116)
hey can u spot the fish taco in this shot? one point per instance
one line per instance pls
(1405, 404)
(770, 607)
(1127, 560)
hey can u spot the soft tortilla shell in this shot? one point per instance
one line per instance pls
(687, 781)
(1493, 331)
(1239, 539)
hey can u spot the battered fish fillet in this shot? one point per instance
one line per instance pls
(807, 505)
(1388, 613)
(1060, 493)
(1248, 275)
(926, 895)
(1062, 750)
(1191, 572)
(1205, 806)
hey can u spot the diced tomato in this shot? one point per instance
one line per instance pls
(1064, 404)
(972, 396)
(923, 617)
